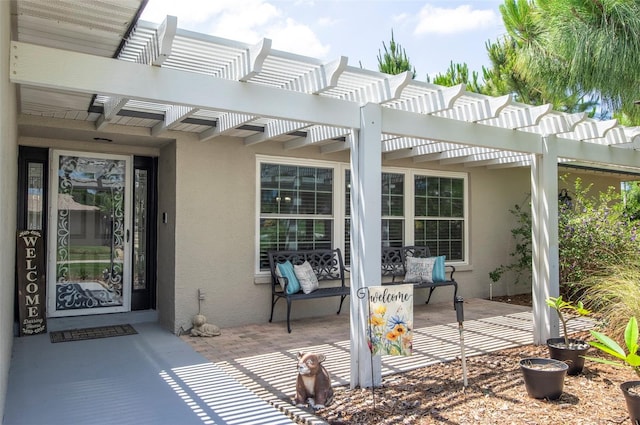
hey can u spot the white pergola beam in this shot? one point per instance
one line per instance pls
(430, 127)
(60, 69)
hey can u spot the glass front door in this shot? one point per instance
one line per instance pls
(89, 238)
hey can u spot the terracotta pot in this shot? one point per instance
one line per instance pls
(632, 399)
(572, 355)
(543, 378)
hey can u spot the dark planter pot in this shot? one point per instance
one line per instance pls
(543, 378)
(633, 400)
(572, 355)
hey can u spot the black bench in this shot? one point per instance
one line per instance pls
(327, 265)
(394, 265)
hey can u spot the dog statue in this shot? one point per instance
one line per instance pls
(202, 328)
(313, 386)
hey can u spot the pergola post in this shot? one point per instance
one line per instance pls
(545, 257)
(366, 169)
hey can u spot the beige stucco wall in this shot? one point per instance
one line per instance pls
(167, 205)
(8, 193)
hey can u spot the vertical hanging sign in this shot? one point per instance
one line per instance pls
(31, 282)
(390, 330)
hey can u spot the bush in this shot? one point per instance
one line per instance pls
(615, 294)
(593, 236)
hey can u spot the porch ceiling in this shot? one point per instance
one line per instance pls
(455, 117)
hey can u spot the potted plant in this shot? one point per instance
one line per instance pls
(568, 350)
(543, 378)
(631, 359)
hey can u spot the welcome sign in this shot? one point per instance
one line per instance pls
(390, 328)
(31, 282)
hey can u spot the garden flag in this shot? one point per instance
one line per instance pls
(390, 328)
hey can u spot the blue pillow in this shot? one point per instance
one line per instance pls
(438, 274)
(286, 270)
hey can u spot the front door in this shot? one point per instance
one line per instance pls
(89, 234)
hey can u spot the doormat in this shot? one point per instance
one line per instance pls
(92, 333)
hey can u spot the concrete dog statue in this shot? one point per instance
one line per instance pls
(313, 386)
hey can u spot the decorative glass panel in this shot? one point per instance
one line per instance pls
(90, 232)
(140, 230)
(35, 210)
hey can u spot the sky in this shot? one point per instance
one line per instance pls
(432, 32)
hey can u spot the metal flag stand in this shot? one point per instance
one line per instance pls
(460, 317)
(364, 292)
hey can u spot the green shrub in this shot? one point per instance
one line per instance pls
(592, 236)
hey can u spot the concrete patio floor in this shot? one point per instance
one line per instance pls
(244, 376)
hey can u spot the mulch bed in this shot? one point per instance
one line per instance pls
(495, 394)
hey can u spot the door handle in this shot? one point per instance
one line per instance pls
(127, 235)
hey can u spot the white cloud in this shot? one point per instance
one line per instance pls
(297, 38)
(437, 20)
(244, 20)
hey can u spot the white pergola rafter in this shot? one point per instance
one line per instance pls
(112, 106)
(320, 79)
(316, 134)
(172, 118)
(225, 124)
(273, 129)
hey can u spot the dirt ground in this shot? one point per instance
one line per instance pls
(495, 394)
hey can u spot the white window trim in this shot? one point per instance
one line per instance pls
(410, 203)
(339, 216)
(338, 183)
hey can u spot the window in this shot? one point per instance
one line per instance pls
(296, 208)
(392, 211)
(440, 215)
(301, 207)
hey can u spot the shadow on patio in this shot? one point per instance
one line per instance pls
(263, 357)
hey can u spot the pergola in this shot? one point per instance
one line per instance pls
(164, 79)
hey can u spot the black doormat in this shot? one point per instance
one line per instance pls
(92, 333)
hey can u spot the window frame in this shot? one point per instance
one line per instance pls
(339, 215)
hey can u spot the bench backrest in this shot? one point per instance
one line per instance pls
(327, 264)
(394, 259)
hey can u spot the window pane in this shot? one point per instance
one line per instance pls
(288, 191)
(35, 193)
(392, 233)
(439, 199)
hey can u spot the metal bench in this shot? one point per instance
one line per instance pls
(327, 265)
(394, 264)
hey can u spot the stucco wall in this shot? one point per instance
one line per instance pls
(167, 204)
(8, 177)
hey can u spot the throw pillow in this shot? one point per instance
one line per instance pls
(438, 269)
(286, 271)
(306, 277)
(419, 270)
